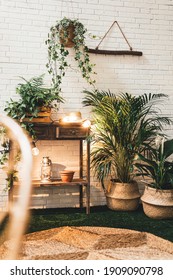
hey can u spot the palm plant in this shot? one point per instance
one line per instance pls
(124, 126)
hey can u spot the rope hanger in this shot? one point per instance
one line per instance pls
(116, 52)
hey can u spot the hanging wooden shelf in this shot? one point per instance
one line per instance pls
(110, 52)
(115, 52)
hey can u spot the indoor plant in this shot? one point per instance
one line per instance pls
(157, 199)
(124, 126)
(34, 98)
(57, 43)
(8, 166)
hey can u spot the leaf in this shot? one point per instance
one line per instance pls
(168, 148)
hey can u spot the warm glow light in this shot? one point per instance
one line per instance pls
(86, 123)
(72, 117)
(35, 151)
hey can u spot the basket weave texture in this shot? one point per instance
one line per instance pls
(123, 196)
(157, 204)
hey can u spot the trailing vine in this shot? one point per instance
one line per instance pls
(58, 53)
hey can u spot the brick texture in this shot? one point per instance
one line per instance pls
(24, 26)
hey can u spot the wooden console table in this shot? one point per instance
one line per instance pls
(72, 131)
(56, 131)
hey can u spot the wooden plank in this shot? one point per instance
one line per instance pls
(110, 52)
(38, 183)
(38, 120)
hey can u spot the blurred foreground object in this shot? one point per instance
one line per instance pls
(18, 211)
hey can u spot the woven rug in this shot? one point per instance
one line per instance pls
(91, 243)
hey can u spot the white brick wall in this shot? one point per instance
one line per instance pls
(24, 25)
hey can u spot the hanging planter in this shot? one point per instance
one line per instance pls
(68, 33)
(66, 36)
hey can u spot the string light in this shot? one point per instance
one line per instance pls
(86, 123)
(35, 150)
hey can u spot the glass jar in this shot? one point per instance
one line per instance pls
(46, 169)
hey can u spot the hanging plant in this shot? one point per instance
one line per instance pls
(68, 33)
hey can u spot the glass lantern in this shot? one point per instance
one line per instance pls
(46, 169)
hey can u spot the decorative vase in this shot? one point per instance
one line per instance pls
(123, 196)
(157, 203)
(67, 175)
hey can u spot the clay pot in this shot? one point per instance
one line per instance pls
(157, 203)
(67, 175)
(67, 42)
(123, 196)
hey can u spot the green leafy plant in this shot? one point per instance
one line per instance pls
(4, 158)
(4, 147)
(58, 52)
(124, 126)
(157, 168)
(32, 96)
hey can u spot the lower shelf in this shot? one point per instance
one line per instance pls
(80, 183)
(38, 183)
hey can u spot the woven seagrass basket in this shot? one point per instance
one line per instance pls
(123, 196)
(157, 204)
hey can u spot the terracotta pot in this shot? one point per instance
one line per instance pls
(67, 42)
(67, 175)
(123, 196)
(157, 204)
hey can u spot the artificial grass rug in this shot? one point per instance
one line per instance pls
(43, 219)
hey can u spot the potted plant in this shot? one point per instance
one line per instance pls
(64, 34)
(157, 199)
(124, 126)
(35, 100)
